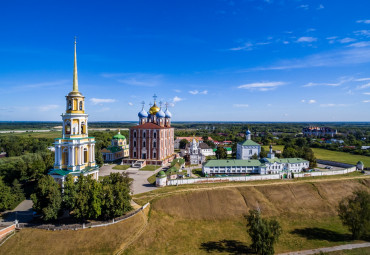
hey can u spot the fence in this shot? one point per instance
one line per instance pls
(344, 171)
(255, 177)
(83, 225)
(5, 231)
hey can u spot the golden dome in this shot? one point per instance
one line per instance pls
(154, 109)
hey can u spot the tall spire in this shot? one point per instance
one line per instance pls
(75, 78)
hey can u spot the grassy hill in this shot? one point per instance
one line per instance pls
(209, 219)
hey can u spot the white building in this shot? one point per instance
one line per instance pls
(197, 151)
(248, 148)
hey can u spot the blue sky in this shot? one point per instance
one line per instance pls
(251, 60)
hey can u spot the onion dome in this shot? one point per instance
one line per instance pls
(154, 109)
(160, 114)
(248, 132)
(168, 114)
(360, 163)
(142, 114)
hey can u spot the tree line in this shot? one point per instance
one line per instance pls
(84, 199)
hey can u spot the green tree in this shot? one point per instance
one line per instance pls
(264, 233)
(69, 193)
(99, 157)
(47, 199)
(289, 152)
(183, 143)
(354, 211)
(6, 198)
(254, 156)
(88, 200)
(263, 153)
(221, 152)
(115, 195)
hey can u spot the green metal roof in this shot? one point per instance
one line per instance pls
(59, 172)
(119, 136)
(161, 174)
(360, 163)
(286, 160)
(114, 149)
(233, 162)
(249, 143)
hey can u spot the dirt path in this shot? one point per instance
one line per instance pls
(250, 184)
(329, 249)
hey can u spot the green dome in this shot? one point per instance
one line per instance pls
(161, 174)
(360, 163)
(119, 136)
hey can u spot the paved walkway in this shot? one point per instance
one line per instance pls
(23, 213)
(140, 184)
(329, 249)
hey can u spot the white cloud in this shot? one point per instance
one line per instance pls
(245, 46)
(304, 6)
(240, 105)
(177, 99)
(342, 80)
(130, 104)
(45, 108)
(347, 40)
(363, 79)
(102, 100)
(366, 101)
(365, 21)
(310, 101)
(360, 44)
(366, 93)
(261, 86)
(196, 92)
(362, 33)
(345, 57)
(367, 85)
(333, 105)
(307, 39)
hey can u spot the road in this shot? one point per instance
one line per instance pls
(140, 183)
(23, 213)
(329, 249)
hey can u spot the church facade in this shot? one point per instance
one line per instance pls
(152, 141)
(248, 148)
(75, 150)
(117, 150)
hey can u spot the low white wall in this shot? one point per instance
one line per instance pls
(254, 177)
(344, 171)
(223, 179)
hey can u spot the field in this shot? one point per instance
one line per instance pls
(338, 156)
(206, 219)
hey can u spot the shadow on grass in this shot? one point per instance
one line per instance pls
(230, 246)
(322, 234)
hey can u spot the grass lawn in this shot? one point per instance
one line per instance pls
(149, 168)
(152, 179)
(359, 251)
(121, 167)
(51, 134)
(338, 156)
(198, 172)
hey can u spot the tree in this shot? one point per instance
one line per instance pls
(183, 143)
(47, 199)
(221, 152)
(354, 211)
(263, 153)
(99, 157)
(289, 152)
(6, 198)
(69, 193)
(254, 156)
(264, 233)
(115, 195)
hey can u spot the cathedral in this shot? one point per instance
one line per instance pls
(152, 141)
(75, 150)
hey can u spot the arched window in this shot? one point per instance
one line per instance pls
(154, 144)
(134, 143)
(154, 154)
(144, 144)
(85, 155)
(69, 104)
(80, 105)
(83, 128)
(144, 134)
(135, 134)
(65, 156)
(67, 127)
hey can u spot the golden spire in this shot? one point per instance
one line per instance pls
(75, 78)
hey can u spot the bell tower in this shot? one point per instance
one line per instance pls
(75, 150)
